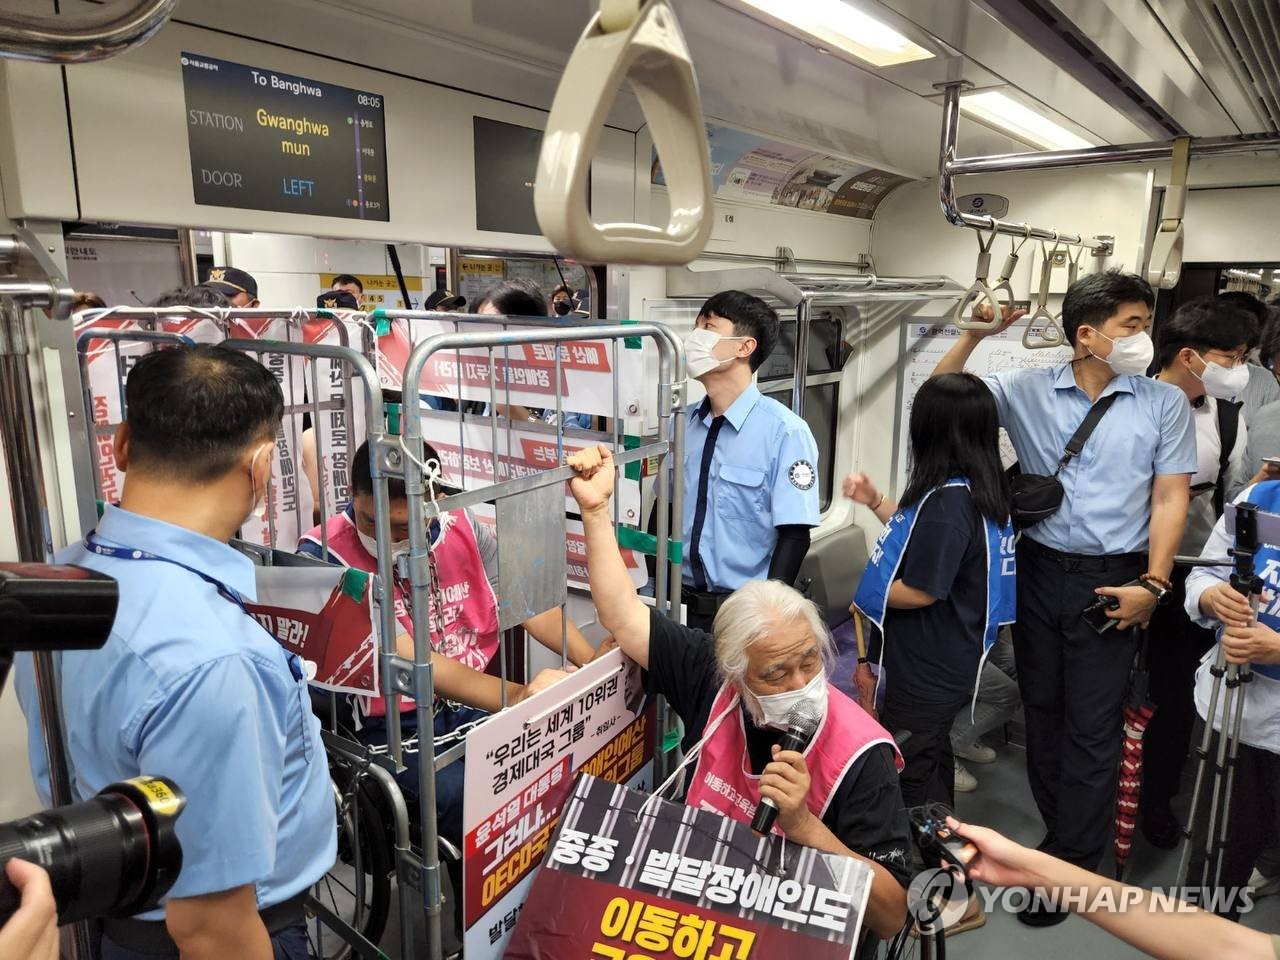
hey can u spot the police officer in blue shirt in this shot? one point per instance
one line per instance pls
(1115, 535)
(191, 687)
(750, 464)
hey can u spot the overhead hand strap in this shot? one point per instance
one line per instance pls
(980, 293)
(1044, 330)
(642, 43)
(1073, 270)
(1011, 264)
(1164, 265)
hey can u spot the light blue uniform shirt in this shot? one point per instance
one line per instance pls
(1107, 506)
(763, 473)
(190, 687)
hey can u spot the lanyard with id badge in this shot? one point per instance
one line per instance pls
(300, 670)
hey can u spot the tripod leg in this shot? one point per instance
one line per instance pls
(1233, 752)
(1219, 772)
(1206, 741)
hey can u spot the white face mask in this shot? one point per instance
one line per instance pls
(698, 347)
(1224, 383)
(371, 545)
(1130, 355)
(777, 707)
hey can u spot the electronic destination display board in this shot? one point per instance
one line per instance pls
(265, 140)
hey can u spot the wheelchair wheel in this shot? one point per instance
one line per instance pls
(358, 888)
(908, 945)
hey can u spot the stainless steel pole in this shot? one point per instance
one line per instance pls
(30, 521)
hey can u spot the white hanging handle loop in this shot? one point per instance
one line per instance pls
(1050, 333)
(643, 44)
(1164, 265)
(981, 293)
(1011, 264)
(1073, 270)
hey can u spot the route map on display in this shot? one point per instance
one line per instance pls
(264, 140)
(924, 342)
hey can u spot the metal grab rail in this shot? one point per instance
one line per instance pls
(84, 38)
(948, 171)
(951, 166)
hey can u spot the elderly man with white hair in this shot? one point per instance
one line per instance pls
(734, 688)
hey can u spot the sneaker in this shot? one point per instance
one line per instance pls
(1263, 886)
(966, 782)
(977, 752)
(1037, 913)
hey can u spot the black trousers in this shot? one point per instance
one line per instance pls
(1073, 683)
(1251, 822)
(929, 775)
(1176, 646)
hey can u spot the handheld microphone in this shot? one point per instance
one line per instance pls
(802, 724)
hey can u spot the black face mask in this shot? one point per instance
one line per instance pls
(562, 307)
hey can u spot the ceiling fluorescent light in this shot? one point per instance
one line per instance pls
(838, 26)
(1019, 121)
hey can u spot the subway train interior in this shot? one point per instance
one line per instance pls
(332, 189)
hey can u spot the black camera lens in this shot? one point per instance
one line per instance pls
(113, 856)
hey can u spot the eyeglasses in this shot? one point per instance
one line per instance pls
(1231, 359)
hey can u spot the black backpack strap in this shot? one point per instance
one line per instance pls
(1085, 430)
(1228, 431)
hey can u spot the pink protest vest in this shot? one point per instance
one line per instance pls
(469, 633)
(723, 781)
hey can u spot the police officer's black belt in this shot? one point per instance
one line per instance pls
(152, 936)
(1082, 562)
(703, 604)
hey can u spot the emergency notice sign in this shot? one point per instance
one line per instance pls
(633, 877)
(520, 765)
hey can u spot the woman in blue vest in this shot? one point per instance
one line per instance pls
(940, 580)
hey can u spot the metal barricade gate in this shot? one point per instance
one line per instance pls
(522, 504)
(541, 516)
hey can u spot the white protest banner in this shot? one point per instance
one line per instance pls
(339, 430)
(519, 766)
(288, 499)
(466, 456)
(324, 615)
(525, 374)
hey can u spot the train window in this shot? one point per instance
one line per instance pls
(827, 353)
(821, 412)
(825, 349)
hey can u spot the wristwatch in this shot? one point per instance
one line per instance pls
(1162, 593)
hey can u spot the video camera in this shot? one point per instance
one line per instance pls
(116, 854)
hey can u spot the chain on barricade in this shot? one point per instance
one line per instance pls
(456, 735)
(432, 472)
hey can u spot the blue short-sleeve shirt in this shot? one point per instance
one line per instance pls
(1148, 432)
(190, 687)
(762, 473)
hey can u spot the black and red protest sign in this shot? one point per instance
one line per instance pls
(632, 877)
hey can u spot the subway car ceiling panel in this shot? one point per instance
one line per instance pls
(1127, 71)
(1104, 71)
